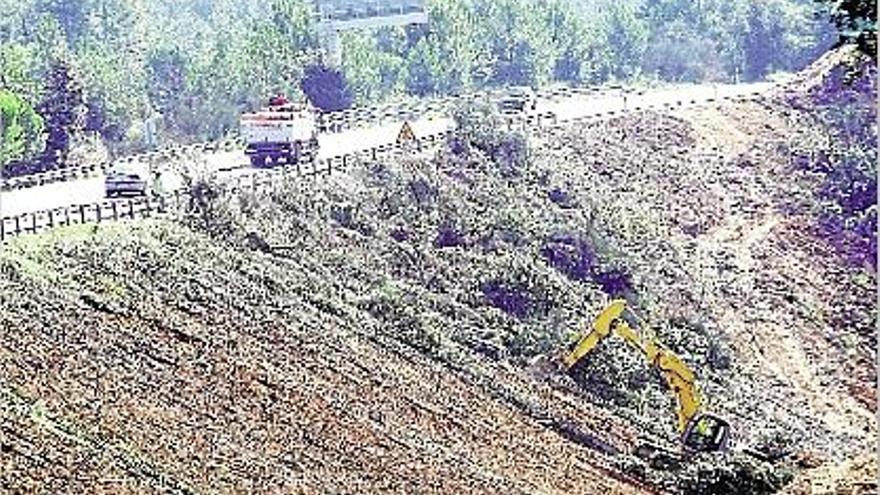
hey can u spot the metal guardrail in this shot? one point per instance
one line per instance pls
(330, 122)
(32, 223)
(145, 206)
(159, 156)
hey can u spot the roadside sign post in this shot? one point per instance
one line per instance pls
(406, 134)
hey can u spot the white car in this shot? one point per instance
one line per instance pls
(127, 181)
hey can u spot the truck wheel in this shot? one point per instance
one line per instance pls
(258, 161)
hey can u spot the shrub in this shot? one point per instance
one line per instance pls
(571, 255)
(423, 192)
(349, 217)
(480, 126)
(562, 198)
(575, 257)
(209, 210)
(846, 103)
(21, 129)
(326, 88)
(512, 298)
(448, 235)
(615, 282)
(741, 475)
(402, 316)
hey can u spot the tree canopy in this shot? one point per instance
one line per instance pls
(195, 65)
(22, 129)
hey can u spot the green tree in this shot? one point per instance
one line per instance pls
(20, 69)
(22, 129)
(465, 57)
(62, 103)
(326, 88)
(520, 46)
(72, 15)
(764, 39)
(626, 35)
(372, 73)
(569, 35)
(857, 22)
(166, 79)
(425, 71)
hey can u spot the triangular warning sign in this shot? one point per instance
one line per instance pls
(406, 134)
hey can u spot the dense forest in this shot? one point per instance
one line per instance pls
(72, 70)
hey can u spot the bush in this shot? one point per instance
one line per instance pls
(571, 255)
(21, 129)
(480, 126)
(615, 282)
(350, 217)
(423, 192)
(512, 298)
(402, 316)
(448, 235)
(740, 474)
(575, 258)
(846, 104)
(562, 198)
(209, 210)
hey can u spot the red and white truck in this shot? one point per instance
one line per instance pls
(283, 132)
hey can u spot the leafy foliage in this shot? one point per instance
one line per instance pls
(846, 101)
(59, 108)
(480, 126)
(195, 65)
(21, 127)
(326, 88)
(857, 21)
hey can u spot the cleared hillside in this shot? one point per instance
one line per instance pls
(376, 331)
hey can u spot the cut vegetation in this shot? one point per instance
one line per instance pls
(375, 331)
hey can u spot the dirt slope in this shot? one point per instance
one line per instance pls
(216, 372)
(719, 223)
(373, 331)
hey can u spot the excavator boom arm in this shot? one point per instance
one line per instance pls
(679, 377)
(601, 328)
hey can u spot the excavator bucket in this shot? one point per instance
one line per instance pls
(706, 433)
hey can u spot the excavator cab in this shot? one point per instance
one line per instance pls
(706, 433)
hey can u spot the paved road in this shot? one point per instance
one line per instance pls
(224, 164)
(229, 164)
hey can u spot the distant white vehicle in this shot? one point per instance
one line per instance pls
(129, 179)
(518, 99)
(281, 132)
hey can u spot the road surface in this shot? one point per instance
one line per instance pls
(232, 163)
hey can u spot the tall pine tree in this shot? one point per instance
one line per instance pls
(326, 88)
(61, 105)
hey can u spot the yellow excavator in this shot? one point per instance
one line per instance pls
(700, 432)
